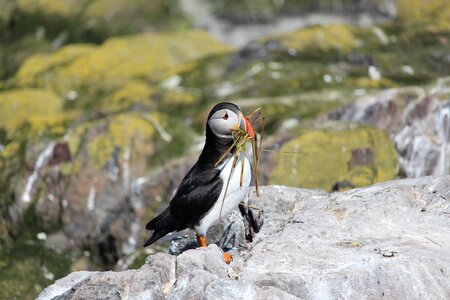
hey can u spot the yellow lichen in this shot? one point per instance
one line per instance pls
(121, 59)
(100, 150)
(129, 130)
(320, 158)
(320, 38)
(135, 91)
(140, 55)
(178, 97)
(38, 106)
(34, 71)
(49, 125)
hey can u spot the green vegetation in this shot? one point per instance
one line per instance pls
(27, 266)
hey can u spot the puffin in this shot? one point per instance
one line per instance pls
(212, 188)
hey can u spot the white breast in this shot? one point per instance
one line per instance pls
(234, 194)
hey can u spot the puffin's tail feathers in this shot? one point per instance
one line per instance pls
(161, 225)
(162, 221)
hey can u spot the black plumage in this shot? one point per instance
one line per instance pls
(199, 189)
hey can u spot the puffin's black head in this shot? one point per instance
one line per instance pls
(226, 116)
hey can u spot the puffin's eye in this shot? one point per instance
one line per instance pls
(225, 117)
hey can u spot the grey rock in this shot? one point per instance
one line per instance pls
(228, 289)
(390, 240)
(335, 245)
(66, 286)
(191, 285)
(151, 281)
(209, 259)
(196, 269)
(418, 123)
(229, 233)
(182, 243)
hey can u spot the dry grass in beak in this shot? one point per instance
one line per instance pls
(240, 139)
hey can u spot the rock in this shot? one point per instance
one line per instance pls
(83, 183)
(148, 282)
(387, 240)
(63, 288)
(98, 212)
(329, 64)
(417, 122)
(230, 232)
(335, 241)
(160, 185)
(383, 110)
(324, 158)
(196, 269)
(227, 235)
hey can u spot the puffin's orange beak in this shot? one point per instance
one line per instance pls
(245, 125)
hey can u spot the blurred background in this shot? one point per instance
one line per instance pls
(103, 104)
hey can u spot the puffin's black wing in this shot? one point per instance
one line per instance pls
(197, 193)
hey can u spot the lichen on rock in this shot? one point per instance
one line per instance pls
(330, 157)
(103, 69)
(37, 69)
(22, 105)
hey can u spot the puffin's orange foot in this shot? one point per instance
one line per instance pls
(201, 241)
(227, 258)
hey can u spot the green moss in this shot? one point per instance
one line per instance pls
(320, 158)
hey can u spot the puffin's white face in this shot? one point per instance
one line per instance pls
(223, 121)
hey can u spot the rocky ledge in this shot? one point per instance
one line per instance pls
(390, 240)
